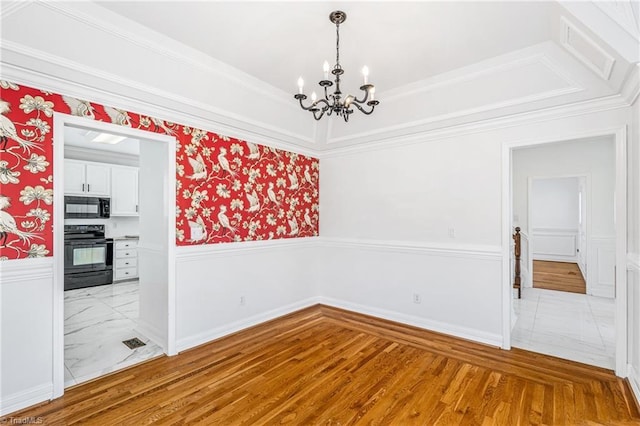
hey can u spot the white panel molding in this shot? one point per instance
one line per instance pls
(379, 140)
(569, 32)
(197, 252)
(18, 270)
(182, 110)
(103, 20)
(422, 88)
(631, 85)
(437, 326)
(459, 76)
(24, 399)
(9, 8)
(601, 266)
(633, 262)
(555, 244)
(482, 252)
(218, 332)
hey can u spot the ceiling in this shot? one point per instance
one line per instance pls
(83, 138)
(400, 42)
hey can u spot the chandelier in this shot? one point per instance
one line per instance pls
(334, 102)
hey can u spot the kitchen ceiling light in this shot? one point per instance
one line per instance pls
(109, 139)
(335, 103)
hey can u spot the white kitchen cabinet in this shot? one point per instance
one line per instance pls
(124, 191)
(87, 178)
(125, 260)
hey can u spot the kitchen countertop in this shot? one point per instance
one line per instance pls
(125, 237)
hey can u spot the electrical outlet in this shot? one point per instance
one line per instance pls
(243, 301)
(452, 232)
(416, 298)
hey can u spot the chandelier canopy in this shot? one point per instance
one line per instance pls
(335, 102)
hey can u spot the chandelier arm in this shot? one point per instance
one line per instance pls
(362, 110)
(304, 107)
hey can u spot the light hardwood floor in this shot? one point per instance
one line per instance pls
(560, 276)
(327, 366)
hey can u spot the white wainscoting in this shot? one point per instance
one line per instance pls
(225, 288)
(557, 245)
(601, 266)
(458, 286)
(26, 335)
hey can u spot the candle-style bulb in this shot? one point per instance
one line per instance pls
(365, 74)
(372, 93)
(325, 68)
(313, 96)
(300, 85)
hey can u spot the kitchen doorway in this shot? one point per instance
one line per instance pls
(155, 287)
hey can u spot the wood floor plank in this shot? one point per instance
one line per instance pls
(325, 365)
(559, 276)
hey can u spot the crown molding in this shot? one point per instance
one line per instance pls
(72, 151)
(182, 110)
(114, 24)
(9, 8)
(407, 136)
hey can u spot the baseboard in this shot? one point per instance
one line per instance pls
(26, 398)
(554, 258)
(218, 332)
(479, 336)
(634, 381)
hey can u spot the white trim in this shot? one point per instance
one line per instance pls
(9, 8)
(621, 233)
(492, 339)
(569, 27)
(406, 135)
(182, 110)
(634, 381)
(633, 262)
(195, 253)
(18, 270)
(631, 86)
(59, 122)
(437, 249)
(224, 330)
(24, 399)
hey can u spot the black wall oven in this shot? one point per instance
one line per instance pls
(86, 208)
(88, 256)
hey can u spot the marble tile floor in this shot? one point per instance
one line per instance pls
(572, 326)
(96, 321)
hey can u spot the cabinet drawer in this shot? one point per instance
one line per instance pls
(126, 262)
(125, 273)
(126, 253)
(126, 244)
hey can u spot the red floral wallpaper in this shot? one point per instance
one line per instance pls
(227, 189)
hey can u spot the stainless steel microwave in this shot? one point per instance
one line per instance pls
(86, 208)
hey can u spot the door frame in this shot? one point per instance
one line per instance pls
(620, 217)
(61, 120)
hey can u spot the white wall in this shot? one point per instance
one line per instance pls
(424, 216)
(554, 203)
(272, 278)
(595, 159)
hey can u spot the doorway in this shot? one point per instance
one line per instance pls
(154, 318)
(604, 254)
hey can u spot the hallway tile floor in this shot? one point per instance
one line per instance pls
(567, 325)
(96, 321)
